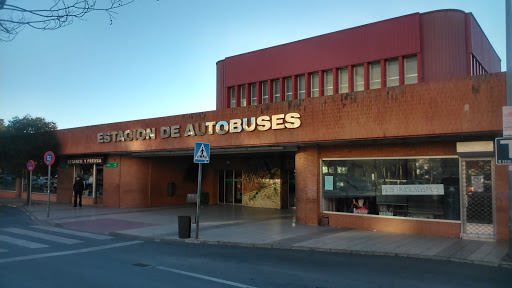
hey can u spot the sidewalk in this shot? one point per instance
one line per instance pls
(260, 227)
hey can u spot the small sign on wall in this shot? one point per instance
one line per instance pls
(111, 165)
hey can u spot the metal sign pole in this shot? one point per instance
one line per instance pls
(508, 21)
(198, 198)
(49, 180)
(30, 190)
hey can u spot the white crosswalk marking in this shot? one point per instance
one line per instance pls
(42, 236)
(3, 250)
(21, 242)
(76, 233)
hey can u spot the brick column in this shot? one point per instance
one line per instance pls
(350, 78)
(321, 83)
(270, 91)
(401, 79)
(247, 95)
(237, 95)
(294, 88)
(335, 86)
(307, 193)
(308, 84)
(281, 89)
(258, 92)
(227, 97)
(383, 75)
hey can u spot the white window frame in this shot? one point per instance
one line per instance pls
(232, 97)
(397, 77)
(375, 83)
(301, 93)
(328, 90)
(342, 85)
(277, 92)
(356, 84)
(315, 92)
(288, 92)
(243, 97)
(254, 94)
(406, 76)
(264, 92)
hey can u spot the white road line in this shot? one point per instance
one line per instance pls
(21, 258)
(43, 236)
(3, 250)
(205, 277)
(21, 242)
(76, 233)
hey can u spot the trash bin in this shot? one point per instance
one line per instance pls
(184, 227)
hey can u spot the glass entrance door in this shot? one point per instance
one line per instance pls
(477, 184)
(230, 186)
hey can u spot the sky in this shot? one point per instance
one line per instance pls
(158, 58)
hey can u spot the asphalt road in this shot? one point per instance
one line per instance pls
(80, 260)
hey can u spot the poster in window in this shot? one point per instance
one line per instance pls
(329, 182)
(478, 183)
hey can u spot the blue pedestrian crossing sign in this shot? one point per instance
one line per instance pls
(202, 152)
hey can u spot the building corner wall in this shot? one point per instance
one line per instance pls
(307, 199)
(220, 85)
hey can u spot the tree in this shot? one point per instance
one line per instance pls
(24, 139)
(61, 13)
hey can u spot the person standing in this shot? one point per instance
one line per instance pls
(78, 188)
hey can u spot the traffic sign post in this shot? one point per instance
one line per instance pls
(49, 159)
(30, 166)
(503, 148)
(201, 155)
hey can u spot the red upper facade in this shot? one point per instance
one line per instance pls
(413, 48)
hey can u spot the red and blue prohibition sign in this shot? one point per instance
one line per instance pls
(49, 158)
(31, 165)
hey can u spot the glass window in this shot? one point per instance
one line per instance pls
(314, 85)
(359, 78)
(392, 78)
(242, 96)
(264, 92)
(232, 96)
(288, 89)
(375, 76)
(254, 95)
(411, 70)
(277, 88)
(328, 88)
(343, 80)
(414, 188)
(301, 84)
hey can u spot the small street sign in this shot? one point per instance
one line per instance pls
(503, 148)
(49, 158)
(201, 152)
(31, 165)
(111, 165)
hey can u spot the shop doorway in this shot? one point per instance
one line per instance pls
(230, 186)
(92, 175)
(478, 199)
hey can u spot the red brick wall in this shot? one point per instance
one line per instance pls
(65, 182)
(307, 192)
(134, 186)
(501, 189)
(112, 183)
(436, 108)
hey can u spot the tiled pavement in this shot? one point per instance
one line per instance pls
(258, 227)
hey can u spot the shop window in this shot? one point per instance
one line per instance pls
(343, 80)
(92, 175)
(415, 188)
(254, 95)
(392, 78)
(411, 70)
(264, 92)
(359, 78)
(8, 182)
(242, 96)
(328, 88)
(276, 87)
(301, 84)
(232, 97)
(314, 85)
(39, 183)
(288, 89)
(375, 74)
